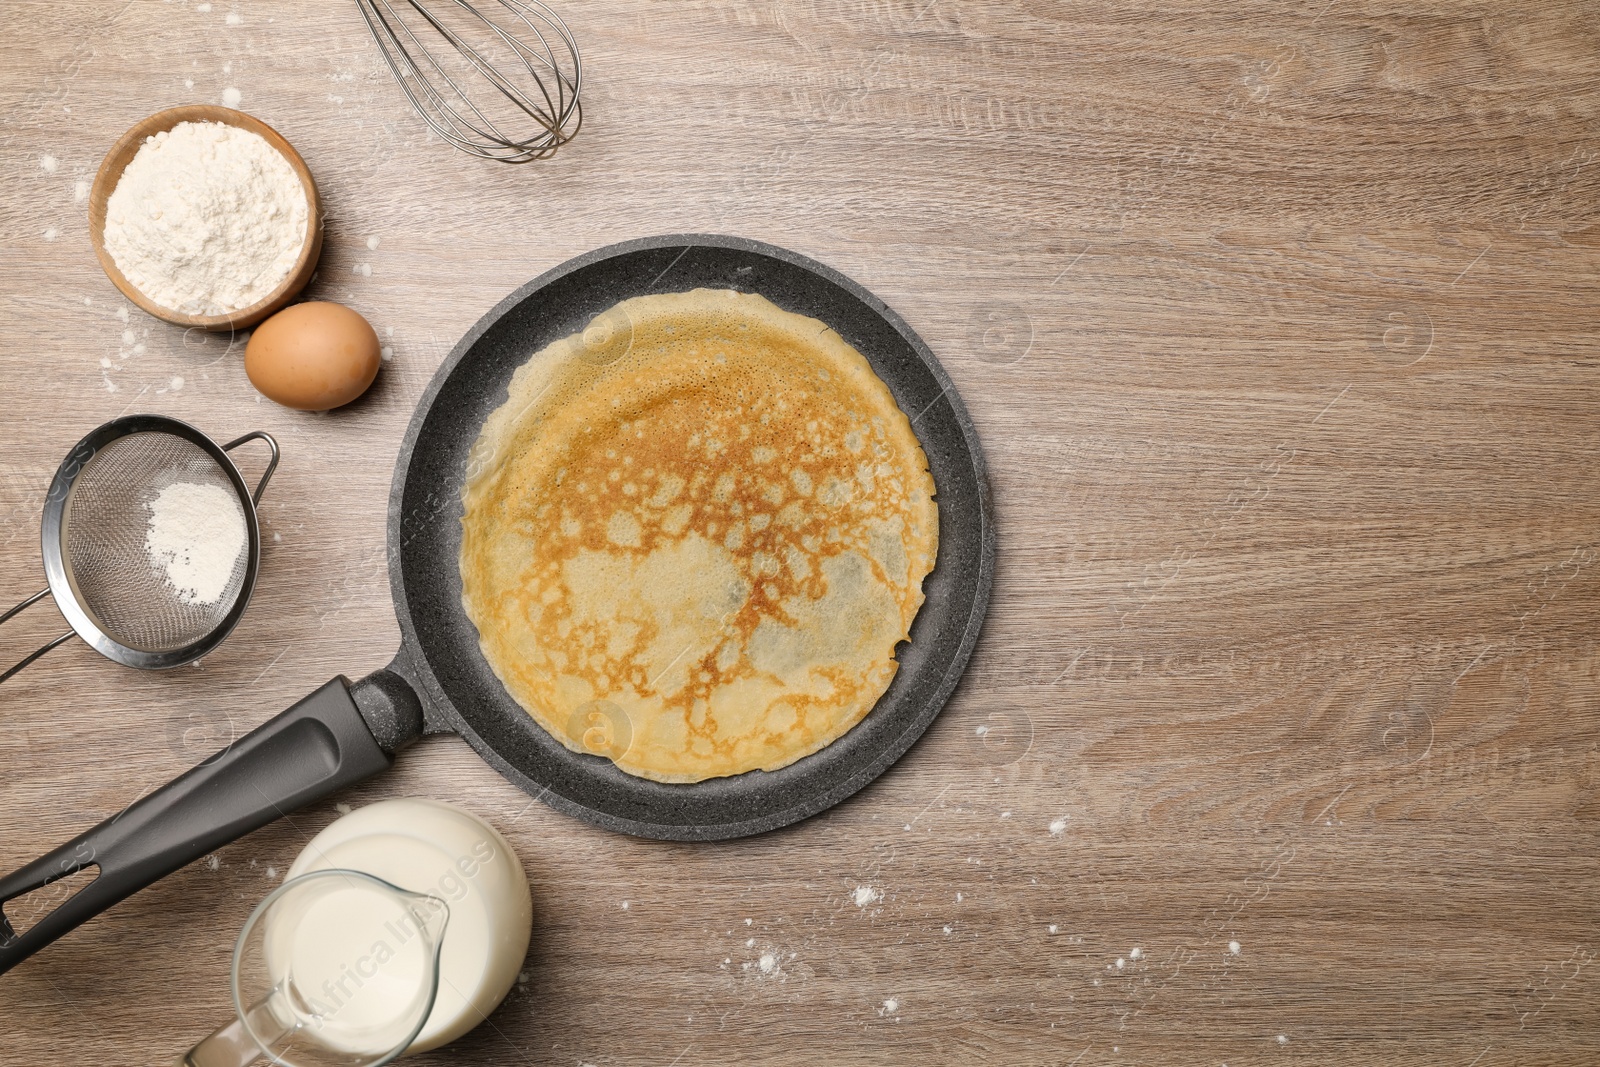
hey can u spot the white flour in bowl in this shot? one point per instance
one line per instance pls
(206, 218)
(195, 536)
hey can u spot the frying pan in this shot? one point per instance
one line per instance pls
(440, 683)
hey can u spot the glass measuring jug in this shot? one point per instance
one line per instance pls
(334, 968)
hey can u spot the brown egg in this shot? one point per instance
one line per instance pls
(312, 356)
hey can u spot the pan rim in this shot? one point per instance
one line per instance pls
(443, 716)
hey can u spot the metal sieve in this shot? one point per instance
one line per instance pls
(100, 568)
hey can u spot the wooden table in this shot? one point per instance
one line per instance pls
(1281, 327)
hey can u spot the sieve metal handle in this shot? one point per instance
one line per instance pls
(320, 745)
(30, 602)
(42, 649)
(272, 464)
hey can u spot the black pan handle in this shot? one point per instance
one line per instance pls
(335, 737)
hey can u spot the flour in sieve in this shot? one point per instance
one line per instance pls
(196, 536)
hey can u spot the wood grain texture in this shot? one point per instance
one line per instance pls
(1279, 322)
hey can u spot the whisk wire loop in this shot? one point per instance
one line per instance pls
(439, 88)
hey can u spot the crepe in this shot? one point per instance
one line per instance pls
(694, 534)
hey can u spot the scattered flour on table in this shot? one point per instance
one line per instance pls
(196, 536)
(207, 218)
(231, 97)
(1234, 947)
(1058, 827)
(865, 895)
(49, 163)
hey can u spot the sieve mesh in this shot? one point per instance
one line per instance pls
(104, 527)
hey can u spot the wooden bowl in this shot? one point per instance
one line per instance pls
(111, 172)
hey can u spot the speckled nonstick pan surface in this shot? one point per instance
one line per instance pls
(440, 655)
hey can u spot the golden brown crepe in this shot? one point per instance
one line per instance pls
(694, 534)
